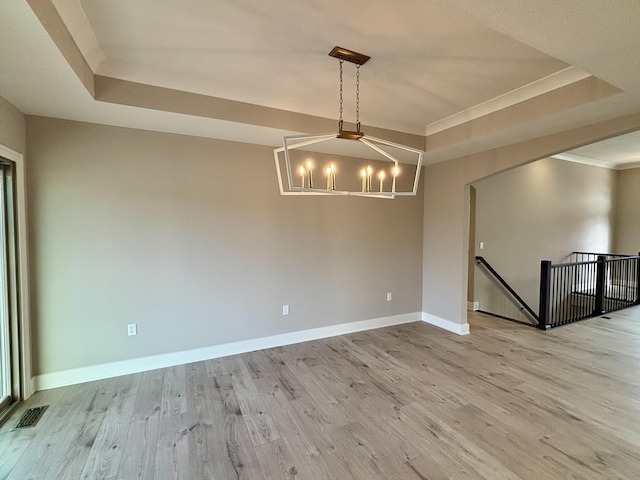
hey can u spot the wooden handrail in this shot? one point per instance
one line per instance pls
(502, 281)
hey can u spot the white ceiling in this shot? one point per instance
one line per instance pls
(275, 54)
(436, 65)
(620, 152)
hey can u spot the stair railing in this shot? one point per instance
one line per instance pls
(507, 287)
(575, 291)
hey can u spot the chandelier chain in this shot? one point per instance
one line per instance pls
(341, 109)
(358, 97)
(340, 120)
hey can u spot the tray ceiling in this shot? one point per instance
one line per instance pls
(462, 75)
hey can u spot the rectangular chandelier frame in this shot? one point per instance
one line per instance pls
(292, 142)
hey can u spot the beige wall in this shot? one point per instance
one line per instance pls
(12, 127)
(446, 209)
(627, 220)
(541, 211)
(189, 238)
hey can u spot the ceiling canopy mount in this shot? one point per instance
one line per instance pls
(349, 55)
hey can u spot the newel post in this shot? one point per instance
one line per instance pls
(600, 277)
(545, 295)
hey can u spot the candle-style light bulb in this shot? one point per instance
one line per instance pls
(328, 178)
(310, 173)
(363, 174)
(302, 173)
(333, 177)
(369, 174)
(395, 170)
(381, 176)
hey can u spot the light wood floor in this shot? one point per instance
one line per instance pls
(406, 402)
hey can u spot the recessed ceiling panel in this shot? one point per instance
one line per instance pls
(428, 62)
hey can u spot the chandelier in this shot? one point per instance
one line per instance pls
(359, 164)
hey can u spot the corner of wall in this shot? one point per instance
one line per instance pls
(12, 127)
(457, 328)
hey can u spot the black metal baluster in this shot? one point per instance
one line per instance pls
(545, 293)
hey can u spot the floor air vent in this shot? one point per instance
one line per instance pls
(31, 417)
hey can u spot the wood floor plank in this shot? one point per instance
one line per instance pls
(377, 455)
(258, 421)
(105, 456)
(304, 451)
(207, 448)
(422, 468)
(237, 440)
(407, 402)
(172, 455)
(277, 461)
(327, 404)
(139, 451)
(219, 442)
(466, 449)
(512, 448)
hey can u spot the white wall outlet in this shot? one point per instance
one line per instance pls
(285, 309)
(389, 296)
(481, 245)
(132, 329)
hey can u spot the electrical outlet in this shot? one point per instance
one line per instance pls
(132, 329)
(285, 309)
(389, 296)
(481, 245)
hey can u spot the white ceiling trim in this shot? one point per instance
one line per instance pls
(628, 166)
(571, 157)
(526, 92)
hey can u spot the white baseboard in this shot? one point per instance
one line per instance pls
(136, 365)
(475, 306)
(459, 328)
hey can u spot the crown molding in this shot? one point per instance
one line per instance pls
(628, 166)
(570, 157)
(526, 92)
